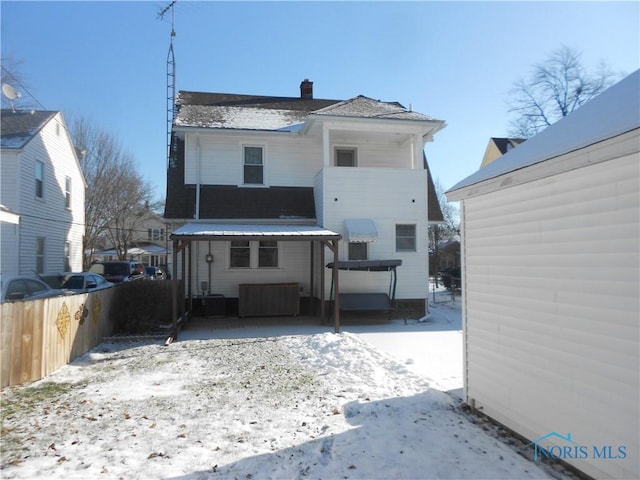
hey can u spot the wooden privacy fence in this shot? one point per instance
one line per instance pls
(40, 336)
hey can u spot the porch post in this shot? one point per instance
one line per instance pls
(174, 287)
(322, 288)
(311, 273)
(336, 296)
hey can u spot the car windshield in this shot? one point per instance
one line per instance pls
(74, 282)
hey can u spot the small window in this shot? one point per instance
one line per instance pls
(40, 255)
(268, 254)
(240, 254)
(39, 179)
(358, 251)
(253, 165)
(345, 157)
(67, 192)
(405, 238)
(67, 256)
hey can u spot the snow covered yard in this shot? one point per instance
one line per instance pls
(294, 402)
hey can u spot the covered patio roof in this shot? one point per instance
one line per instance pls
(196, 232)
(212, 231)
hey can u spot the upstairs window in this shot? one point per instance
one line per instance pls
(67, 192)
(39, 179)
(406, 238)
(155, 234)
(345, 157)
(253, 165)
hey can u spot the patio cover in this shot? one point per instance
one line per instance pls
(183, 236)
(202, 231)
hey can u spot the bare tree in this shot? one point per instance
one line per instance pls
(555, 88)
(117, 197)
(440, 233)
(12, 75)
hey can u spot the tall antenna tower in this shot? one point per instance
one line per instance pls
(171, 83)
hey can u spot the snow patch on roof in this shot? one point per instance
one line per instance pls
(239, 118)
(614, 112)
(240, 230)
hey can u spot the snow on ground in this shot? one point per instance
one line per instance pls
(295, 401)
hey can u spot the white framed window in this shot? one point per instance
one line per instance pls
(253, 164)
(40, 245)
(406, 237)
(260, 254)
(240, 254)
(267, 254)
(67, 256)
(155, 234)
(346, 156)
(67, 192)
(39, 174)
(358, 251)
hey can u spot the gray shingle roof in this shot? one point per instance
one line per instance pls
(251, 112)
(18, 128)
(365, 107)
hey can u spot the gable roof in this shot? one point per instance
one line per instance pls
(614, 112)
(18, 128)
(506, 144)
(365, 107)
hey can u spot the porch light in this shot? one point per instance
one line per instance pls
(209, 258)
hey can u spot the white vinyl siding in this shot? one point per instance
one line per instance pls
(388, 197)
(45, 217)
(551, 281)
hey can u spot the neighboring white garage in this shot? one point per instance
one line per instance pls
(551, 286)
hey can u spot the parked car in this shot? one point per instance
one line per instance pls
(83, 282)
(156, 273)
(120, 271)
(25, 287)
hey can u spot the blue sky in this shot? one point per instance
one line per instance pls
(455, 61)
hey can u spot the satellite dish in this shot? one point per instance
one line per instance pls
(10, 92)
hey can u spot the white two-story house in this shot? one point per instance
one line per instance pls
(254, 181)
(42, 195)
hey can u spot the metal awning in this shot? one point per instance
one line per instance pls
(360, 230)
(202, 231)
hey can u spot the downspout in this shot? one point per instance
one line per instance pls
(463, 265)
(198, 176)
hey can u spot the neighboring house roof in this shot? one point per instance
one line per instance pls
(506, 144)
(614, 112)
(18, 128)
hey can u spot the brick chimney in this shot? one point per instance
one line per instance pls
(306, 89)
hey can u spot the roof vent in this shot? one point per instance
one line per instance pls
(306, 89)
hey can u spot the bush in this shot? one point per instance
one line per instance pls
(142, 307)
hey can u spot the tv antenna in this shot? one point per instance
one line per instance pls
(11, 94)
(171, 81)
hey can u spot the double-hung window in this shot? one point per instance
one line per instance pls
(253, 163)
(67, 192)
(40, 255)
(240, 254)
(405, 237)
(267, 254)
(39, 179)
(246, 254)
